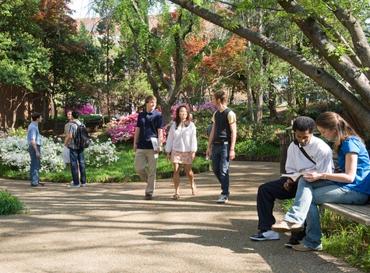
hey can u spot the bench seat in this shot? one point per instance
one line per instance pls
(359, 214)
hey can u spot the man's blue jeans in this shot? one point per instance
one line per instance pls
(220, 165)
(78, 166)
(308, 196)
(35, 165)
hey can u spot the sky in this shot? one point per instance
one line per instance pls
(81, 8)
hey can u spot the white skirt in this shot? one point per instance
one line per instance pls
(66, 157)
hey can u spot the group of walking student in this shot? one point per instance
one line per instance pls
(311, 177)
(181, 144)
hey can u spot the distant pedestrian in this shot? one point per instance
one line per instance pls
(221, 143)
(77, 158)
(34, 149)
(181, 147)
(147, 144)
(66, 154)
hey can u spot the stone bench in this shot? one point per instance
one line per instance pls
(359, 214)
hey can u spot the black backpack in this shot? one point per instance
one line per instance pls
(81, 138)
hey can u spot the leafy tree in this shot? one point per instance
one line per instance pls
(158, 43)
(340, 60)
(73, 56)
(23, 58)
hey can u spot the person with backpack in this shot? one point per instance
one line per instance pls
(221, 143)
(77, 140)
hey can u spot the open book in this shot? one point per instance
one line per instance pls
(293, 176)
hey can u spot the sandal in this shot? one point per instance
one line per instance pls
(176, 196)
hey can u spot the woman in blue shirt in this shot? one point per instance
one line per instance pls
(350, 186)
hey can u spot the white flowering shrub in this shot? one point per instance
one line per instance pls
(14, 153)
(100, 154)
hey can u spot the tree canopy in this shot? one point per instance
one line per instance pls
(339, 60)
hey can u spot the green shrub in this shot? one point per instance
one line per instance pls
(9, 204)
(19, 132)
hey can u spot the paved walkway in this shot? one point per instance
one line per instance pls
(110, 228)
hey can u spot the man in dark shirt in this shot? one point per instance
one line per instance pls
(147, 143)
(221, 143)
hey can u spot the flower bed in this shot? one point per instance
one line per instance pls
(14, 154)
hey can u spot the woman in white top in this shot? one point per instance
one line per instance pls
(181, 146)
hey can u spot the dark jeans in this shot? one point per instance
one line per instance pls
(220, 165)
(266, 196)
(77, 166)
(35, 165)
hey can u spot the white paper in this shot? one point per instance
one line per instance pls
(155, 144)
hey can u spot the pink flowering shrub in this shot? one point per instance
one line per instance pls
(206, 106)
(86, 109)
(123, 129)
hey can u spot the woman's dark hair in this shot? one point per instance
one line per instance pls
(303, 124)
(333, 121)
(177, 118)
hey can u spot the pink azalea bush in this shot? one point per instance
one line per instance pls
(206, 106)
(123, 129)
(86, 109)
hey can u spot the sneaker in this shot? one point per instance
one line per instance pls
(284, 226)
(303, 248)
(72, 185)
(265, 236)
(222, 199)
(40, 184)
(292, 242)
(148, 196)
(84, 185)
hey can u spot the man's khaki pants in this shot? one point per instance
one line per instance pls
(146, 167)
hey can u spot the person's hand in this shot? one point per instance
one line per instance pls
(192, 155)
(135, 147)
(232, 154)
(208, 152)
(312, 176)
(288, 185)
(38, 155)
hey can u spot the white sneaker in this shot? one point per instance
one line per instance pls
(72, 185)
(222, 199)
(265, 236)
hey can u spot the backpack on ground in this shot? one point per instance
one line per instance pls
(81, 138)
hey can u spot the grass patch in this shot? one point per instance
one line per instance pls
(346, 239)
(121, 171)
(9, 204)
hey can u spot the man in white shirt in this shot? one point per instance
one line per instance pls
(306, 153)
